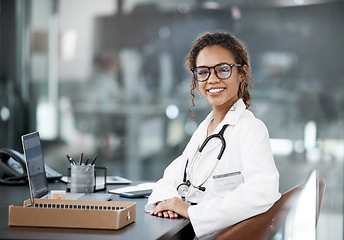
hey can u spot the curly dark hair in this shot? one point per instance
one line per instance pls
(241, 56)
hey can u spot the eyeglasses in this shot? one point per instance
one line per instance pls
(222, 71)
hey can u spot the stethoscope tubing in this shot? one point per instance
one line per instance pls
(216, 135)
(198, 155)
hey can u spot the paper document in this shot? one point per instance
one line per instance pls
(142, 186)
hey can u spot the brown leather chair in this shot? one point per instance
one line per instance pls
(265, 225)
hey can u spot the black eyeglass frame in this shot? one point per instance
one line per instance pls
(193, 70)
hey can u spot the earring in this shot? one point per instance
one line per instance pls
(242, 88)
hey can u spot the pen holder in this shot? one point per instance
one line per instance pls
(82, 179)
(99, 173)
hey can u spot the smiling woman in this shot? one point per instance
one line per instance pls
(227, 168)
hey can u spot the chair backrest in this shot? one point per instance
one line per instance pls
(261, 226)
(322, 186)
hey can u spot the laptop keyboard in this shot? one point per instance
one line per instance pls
(51, 174)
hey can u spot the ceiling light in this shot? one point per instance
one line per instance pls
(299, 2)
(211, 5)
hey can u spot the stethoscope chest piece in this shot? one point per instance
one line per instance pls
(183, 188)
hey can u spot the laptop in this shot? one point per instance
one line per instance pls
(38, 184)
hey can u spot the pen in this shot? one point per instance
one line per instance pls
(80, 160)
(109, 198)
(94, 159)
(71, 160)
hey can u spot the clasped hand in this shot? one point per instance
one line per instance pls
(171, 208)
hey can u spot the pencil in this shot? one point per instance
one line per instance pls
(94, 160)
(80, 160)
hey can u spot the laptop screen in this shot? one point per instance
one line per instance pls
(35, 165)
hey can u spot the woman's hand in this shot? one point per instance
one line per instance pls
(171, 208)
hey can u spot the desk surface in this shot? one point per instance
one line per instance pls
(145, 226)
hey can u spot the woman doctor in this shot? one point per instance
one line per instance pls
(219, 181)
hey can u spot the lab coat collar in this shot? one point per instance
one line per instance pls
(232, 117)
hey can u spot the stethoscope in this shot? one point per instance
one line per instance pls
(184, 187)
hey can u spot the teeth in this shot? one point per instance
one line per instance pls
(215, 90)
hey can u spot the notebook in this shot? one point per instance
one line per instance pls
(38, 184)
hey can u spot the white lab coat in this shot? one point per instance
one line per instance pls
(248, 151)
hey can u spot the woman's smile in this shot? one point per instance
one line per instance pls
(215, 91)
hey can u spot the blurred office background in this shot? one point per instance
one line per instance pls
(108, 78)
